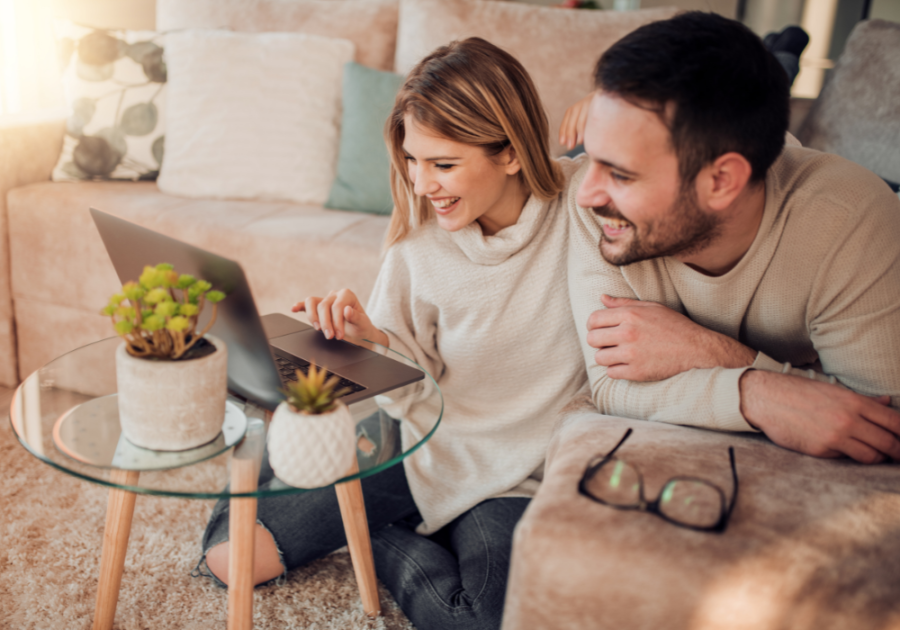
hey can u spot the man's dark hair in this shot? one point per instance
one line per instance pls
(713, 84)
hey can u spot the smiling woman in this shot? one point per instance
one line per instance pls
(29, 76)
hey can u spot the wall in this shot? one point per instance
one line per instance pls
(885, 10)
(130, 14)
(767, 16)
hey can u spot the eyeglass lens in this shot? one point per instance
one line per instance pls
(616, 482)
(691, 502)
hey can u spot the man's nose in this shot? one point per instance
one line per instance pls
(592, 191)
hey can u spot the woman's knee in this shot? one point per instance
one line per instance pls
(267, 563)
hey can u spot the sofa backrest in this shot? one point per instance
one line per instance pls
(558, 47)
(370, 24)
(857, 115)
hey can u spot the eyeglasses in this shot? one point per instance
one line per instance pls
(685, 501)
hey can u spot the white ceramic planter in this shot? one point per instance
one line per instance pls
(311, 451)
(172, 405)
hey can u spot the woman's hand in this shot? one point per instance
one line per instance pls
(340, 315)
(571, 131)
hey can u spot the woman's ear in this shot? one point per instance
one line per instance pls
(510, 161)
(720, 183)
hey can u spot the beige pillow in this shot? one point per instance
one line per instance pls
(558, 47)
(252, 116)
(370, 24)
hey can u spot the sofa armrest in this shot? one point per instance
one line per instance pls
(571, 414)
(28, 154)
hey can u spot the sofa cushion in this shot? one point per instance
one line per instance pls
(62, 275)
(115, 87)
(812, 543)
(363, 169)
(857, 115)
(558, 47)
(370, 24)
(253, 115)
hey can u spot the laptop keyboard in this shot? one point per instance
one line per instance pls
(288, 369)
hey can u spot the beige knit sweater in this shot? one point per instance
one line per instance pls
(819, 288)
(489, 318)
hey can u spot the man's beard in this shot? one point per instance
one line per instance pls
(684, 229)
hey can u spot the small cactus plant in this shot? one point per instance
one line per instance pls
(311, 394)
(157, 315)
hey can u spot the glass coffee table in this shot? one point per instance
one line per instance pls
(66, 415)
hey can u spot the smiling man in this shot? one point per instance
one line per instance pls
(722, 279)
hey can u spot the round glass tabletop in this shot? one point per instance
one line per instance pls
(66, 415)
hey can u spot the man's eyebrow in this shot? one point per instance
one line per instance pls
(617, 167)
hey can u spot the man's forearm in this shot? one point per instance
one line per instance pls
(723, 351)
(707, 398)
(819, 419)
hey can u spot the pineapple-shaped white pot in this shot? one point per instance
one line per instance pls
(312, 438)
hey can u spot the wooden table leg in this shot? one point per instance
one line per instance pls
(119, 513)
(353, 513)
(241, 526)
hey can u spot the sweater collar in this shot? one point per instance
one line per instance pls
(493, 250)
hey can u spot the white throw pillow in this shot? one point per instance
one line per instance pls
(252, 116)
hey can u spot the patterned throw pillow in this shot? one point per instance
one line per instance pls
(114, 82)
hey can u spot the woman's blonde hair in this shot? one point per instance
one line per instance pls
(477, 94)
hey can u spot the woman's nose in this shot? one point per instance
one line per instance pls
(424, 184)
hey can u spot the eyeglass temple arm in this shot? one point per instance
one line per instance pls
(616, 447)
(734, 478)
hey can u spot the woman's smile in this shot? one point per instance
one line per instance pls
(444, 205)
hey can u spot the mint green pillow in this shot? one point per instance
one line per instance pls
(363, 169)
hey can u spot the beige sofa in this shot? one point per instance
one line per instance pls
(54, 271)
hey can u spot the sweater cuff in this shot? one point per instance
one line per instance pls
(727, 405)
(767, 363)
(398, 346)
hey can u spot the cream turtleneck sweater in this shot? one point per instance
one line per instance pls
(489, 318)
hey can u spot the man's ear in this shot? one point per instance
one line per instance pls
(511, 163)
(720, 183)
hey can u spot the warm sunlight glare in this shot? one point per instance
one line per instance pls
(10, 99)
(29, 77)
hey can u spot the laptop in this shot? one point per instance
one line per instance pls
(263, 352)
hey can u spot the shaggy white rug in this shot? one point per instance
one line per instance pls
(51, 529)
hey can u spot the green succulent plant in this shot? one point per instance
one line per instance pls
(312, 394)
(157, 315)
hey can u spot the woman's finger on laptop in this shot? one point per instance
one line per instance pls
(323, 311)
(310, 305)
(342, 299)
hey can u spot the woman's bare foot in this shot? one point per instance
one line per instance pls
(266, 563)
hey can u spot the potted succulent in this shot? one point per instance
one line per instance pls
(312, 438)
(172, 380)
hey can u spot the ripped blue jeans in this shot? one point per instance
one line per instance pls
(453, 579)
